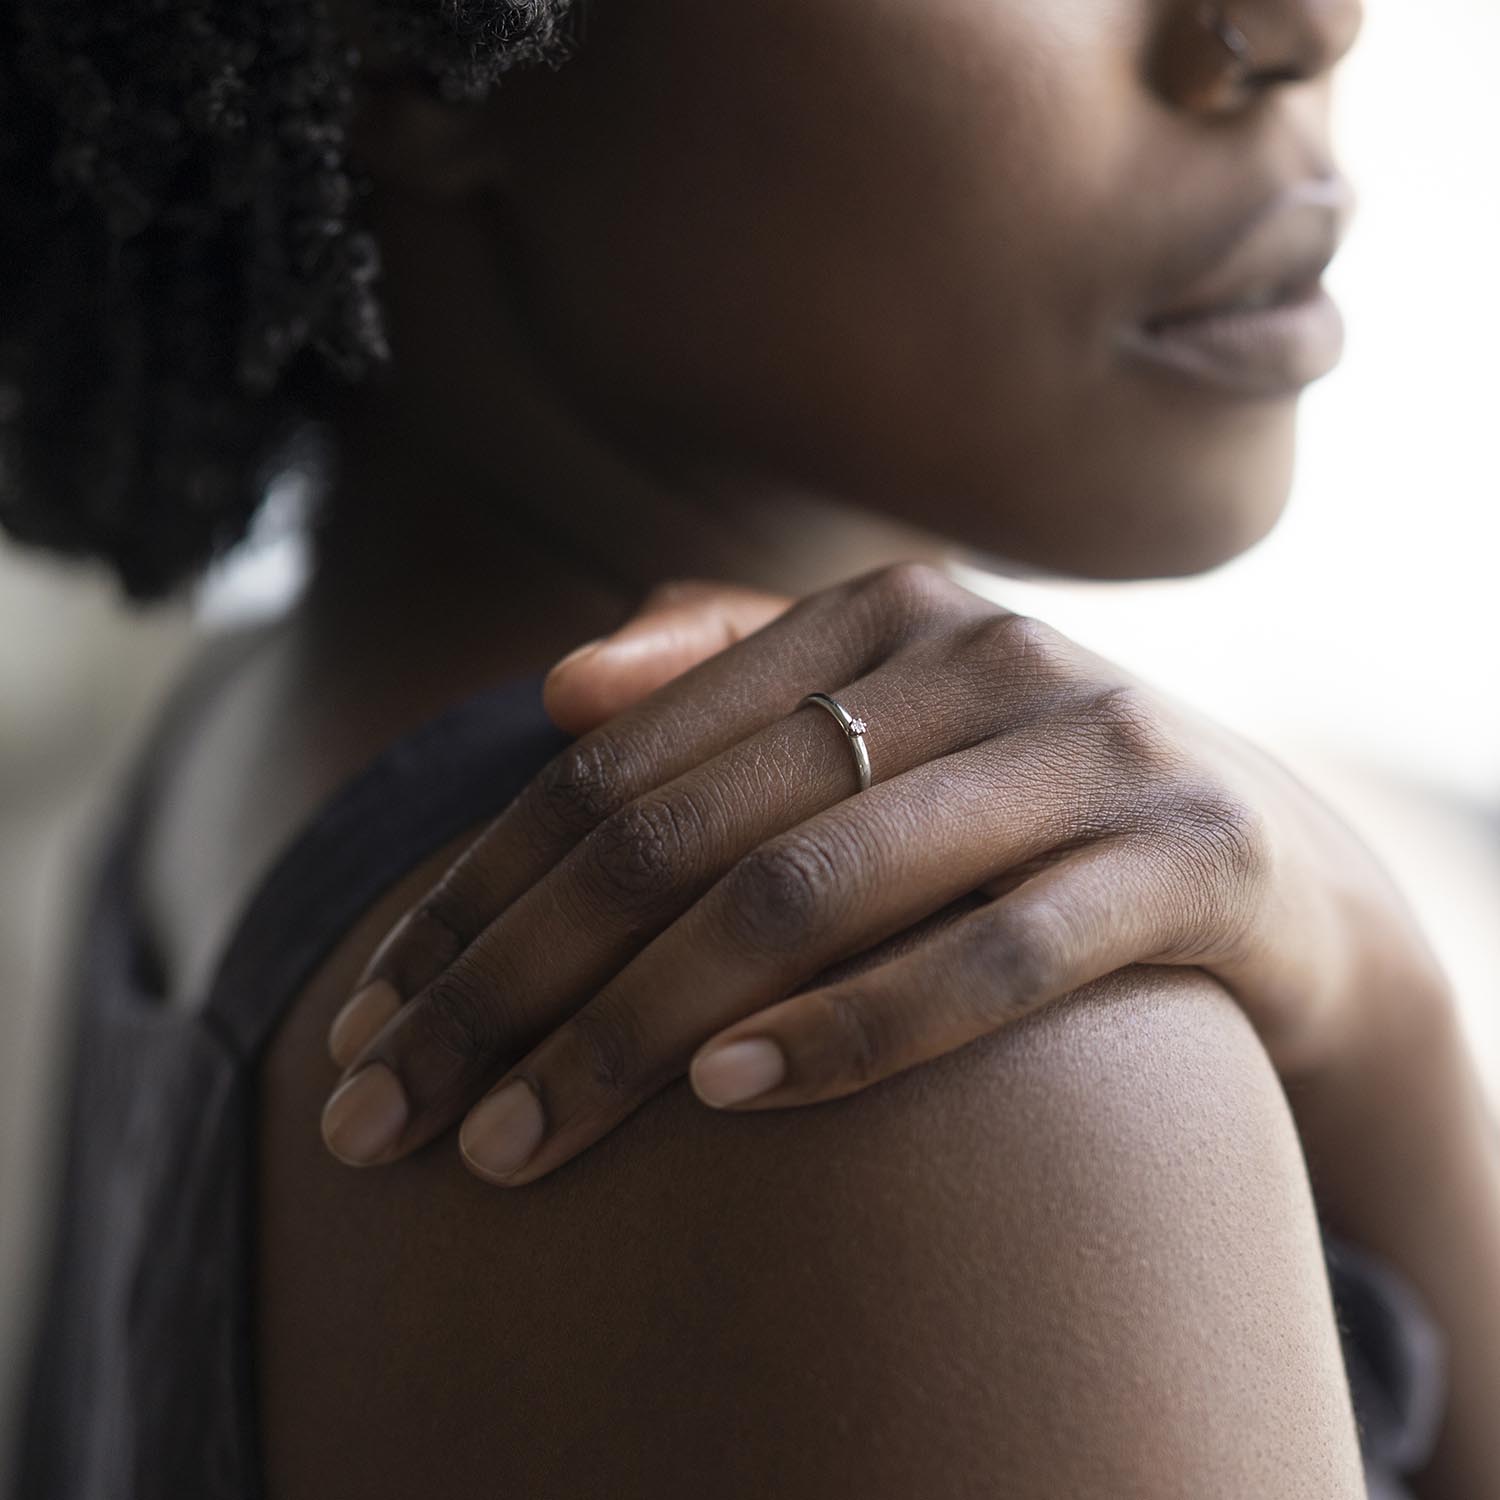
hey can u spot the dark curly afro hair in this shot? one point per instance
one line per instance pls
(181, 255)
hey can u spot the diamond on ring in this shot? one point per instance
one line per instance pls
(854, 731)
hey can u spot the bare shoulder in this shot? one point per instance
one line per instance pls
(1076, 1259)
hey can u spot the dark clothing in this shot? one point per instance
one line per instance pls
(142, 1387)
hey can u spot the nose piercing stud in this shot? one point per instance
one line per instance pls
(1215, 20)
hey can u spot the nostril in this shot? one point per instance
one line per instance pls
(1268, 78)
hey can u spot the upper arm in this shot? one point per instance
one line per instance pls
(1077, 1260)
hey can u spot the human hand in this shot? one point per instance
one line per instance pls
(691, 880)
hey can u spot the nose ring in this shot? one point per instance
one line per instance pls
(1214, 19)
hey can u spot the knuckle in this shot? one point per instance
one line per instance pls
(581, 786)
(1008, 967)
(1021, 648)
(638, 856)
(608, 1046)
(909, 597)
(1226, 837)
(909, 580)
(1136, 734)
(460, 905)
(779, 896)
(853, 1039)
(460, 1016)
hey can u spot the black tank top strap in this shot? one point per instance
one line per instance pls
(454, 772)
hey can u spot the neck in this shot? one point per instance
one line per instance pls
(505, 562)
(480, 504)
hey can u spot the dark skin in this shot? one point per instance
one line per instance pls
(1077, 1260)
(661, 303)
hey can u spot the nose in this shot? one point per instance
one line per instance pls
(1222, 56)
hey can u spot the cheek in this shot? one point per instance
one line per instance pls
(792, 225)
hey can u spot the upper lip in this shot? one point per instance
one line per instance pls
(1283, 247)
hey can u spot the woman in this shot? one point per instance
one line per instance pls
(777, 294)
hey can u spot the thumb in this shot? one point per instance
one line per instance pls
(679, 625)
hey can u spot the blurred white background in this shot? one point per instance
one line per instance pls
(1360, 641)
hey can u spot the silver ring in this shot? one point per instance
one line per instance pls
(854, 730)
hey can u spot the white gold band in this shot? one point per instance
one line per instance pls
(854, 730)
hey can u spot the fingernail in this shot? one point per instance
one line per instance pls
(364, 1118)
(738, 1072)
(579, 652)
(502, 1132)
(361, 1020)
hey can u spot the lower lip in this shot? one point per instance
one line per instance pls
(1265, 352)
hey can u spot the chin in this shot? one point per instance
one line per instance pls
(1161, 523)
(1224, 515)
(1181, 542)
(1204, 503)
